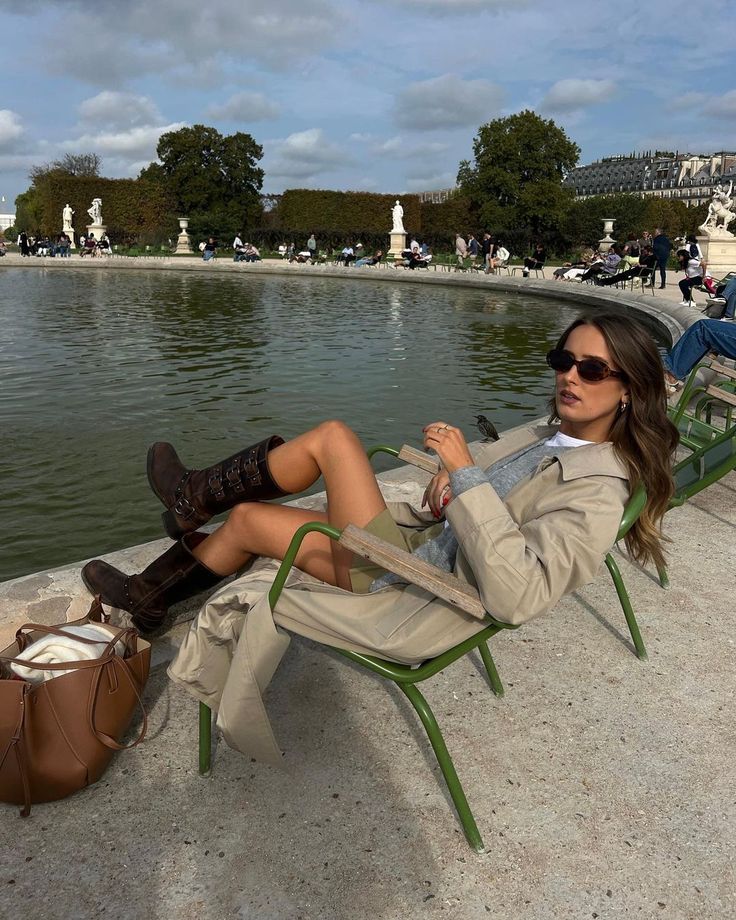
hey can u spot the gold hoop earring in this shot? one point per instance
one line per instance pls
(623, 406)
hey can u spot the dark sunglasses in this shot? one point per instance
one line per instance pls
(591, 369)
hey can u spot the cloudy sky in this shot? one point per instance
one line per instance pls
(382, 95)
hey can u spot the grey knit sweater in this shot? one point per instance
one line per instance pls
(502, 475)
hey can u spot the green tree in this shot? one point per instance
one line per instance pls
(29, 211)
(214, 178)
(515, 180)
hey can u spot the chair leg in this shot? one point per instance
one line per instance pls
(205, 739)
(663, 577)
(446, 765)
(493, 678)
(623, 597)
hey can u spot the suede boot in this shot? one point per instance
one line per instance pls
(172, 577)
(192, 497)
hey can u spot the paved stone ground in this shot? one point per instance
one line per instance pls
(603, 786)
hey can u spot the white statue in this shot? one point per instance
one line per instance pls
(95, 212)
(66, 216)
(397, 212)
(720, 214)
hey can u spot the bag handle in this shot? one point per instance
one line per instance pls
(108, 653)
(101, 736)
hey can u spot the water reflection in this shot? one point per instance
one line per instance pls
(96, 364)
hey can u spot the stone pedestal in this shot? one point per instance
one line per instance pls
(719, 251)
(70, 234)
(183, 243)
(398, 244)
(99, 231)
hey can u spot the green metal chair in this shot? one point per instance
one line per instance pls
(404, 676)
(720, 390)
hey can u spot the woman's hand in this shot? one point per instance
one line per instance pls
(449, 444)
(438, 493)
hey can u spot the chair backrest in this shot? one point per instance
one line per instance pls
(633, 509)
(704, 466)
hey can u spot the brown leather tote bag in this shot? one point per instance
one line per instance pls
(59, 736)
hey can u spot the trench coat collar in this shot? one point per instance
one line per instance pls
(588, 460)
(591, 460)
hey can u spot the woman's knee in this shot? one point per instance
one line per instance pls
(333, 431)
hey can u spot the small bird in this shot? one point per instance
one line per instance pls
(487, 428)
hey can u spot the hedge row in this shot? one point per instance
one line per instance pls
(132, 209)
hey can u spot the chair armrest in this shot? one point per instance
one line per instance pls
(724, 371)
(722, 395)
(418, 458)
(413, 569)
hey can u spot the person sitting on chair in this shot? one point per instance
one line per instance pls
(369, 260)
(691, 262)
(608, 265)
(535, 261)
(704, 336)
(645, 268)
(529, 519)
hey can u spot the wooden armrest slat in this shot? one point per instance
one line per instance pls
(414, 570)
(418, 458)
(723, 395)
(723, 370)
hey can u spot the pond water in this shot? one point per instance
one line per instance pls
(97, 364)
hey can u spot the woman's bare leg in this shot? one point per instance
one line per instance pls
(331, 450)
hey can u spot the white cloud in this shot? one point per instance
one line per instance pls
(245, 106)
(302, 155)
(403, 148)
(569, 95)
(11, 128)
(111, 109)
(139, 142)
(431, 183)
(102, 43)
(447, 102)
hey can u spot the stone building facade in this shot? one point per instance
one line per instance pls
(689, 177)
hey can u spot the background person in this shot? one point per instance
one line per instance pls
(695, 343)
(661, 247)
(535, 261)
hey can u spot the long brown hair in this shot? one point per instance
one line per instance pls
(643, 437)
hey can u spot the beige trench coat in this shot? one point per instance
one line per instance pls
(546, 539)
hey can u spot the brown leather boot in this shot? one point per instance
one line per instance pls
(192, 497)
(172, 577)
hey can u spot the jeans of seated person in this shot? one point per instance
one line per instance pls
(239, 257)
(686, 286)
(251, 258)
(207, 255)
(366, 260)
(729, 292)
(704, 336)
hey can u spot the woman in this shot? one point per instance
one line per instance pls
(565, 489)
(690, 259)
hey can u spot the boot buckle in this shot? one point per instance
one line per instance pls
(252, 472)
(234, 480)
(215, 483)
(183, 507)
